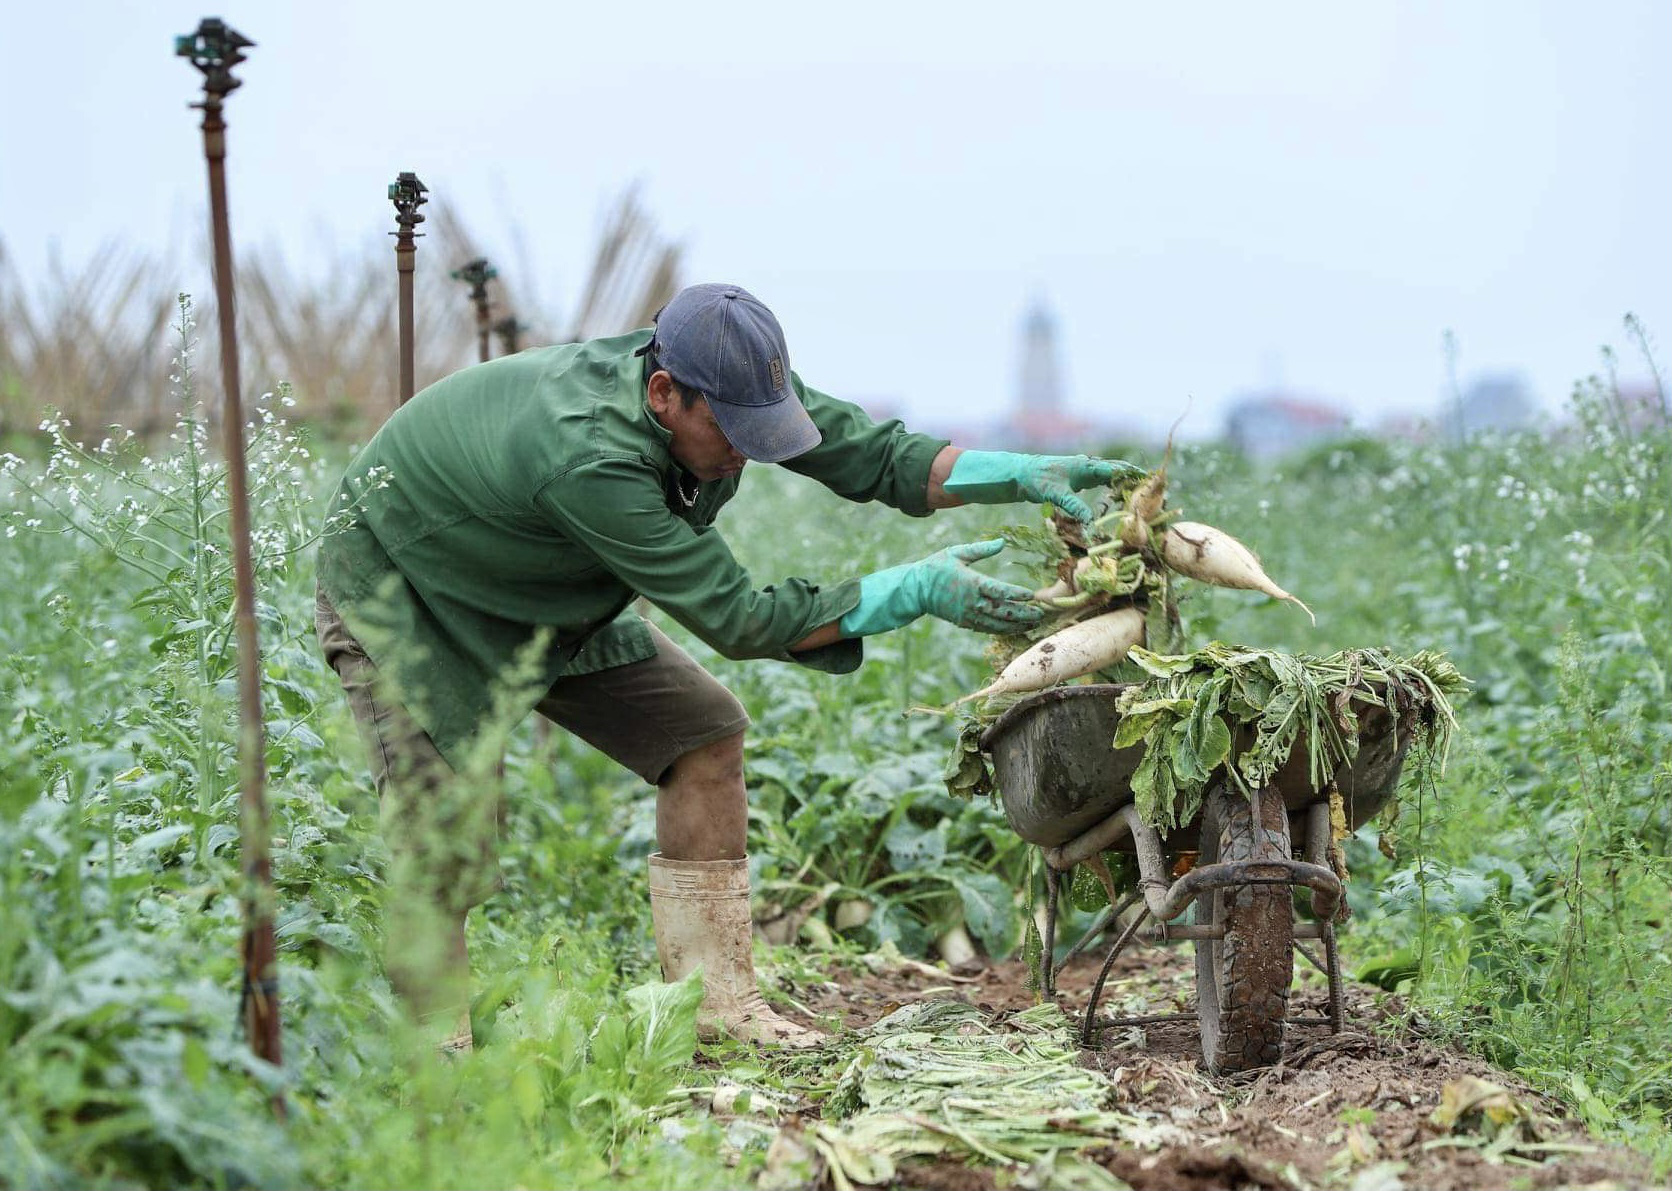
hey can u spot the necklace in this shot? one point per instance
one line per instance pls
(690, 501)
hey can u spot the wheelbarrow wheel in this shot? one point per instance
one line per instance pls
(1242, 978)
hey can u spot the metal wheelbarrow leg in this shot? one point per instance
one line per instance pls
(1243, 930)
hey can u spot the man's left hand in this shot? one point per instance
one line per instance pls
(997, 477)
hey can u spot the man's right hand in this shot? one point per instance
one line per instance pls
(943, 585)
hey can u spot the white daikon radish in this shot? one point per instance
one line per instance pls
(855, 912)
(956, 947)
(1066, 594)
(1109, 575)
(1144, 505)
(1145, 502)
(727, 1097)
(1211, 555)
(1079, 649)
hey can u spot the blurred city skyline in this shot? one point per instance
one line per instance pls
(1266, 419)
(1211, 202)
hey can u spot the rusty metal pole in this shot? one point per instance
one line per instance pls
(476, 274)
(215, 49)
(408, 194)
(510, 332)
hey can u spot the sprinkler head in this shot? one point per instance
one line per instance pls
(215, 48)
(476, 274)
(408, 194)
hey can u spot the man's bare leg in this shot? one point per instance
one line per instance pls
(702, 808)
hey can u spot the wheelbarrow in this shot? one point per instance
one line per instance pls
(1066, 789)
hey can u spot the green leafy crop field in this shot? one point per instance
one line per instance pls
(1523, 910)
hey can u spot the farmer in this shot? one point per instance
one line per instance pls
(481, 557)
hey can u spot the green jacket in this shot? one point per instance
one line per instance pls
(488, 539)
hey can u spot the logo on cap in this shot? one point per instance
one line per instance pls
(775, 367)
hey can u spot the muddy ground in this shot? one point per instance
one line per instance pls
(1348, 1111)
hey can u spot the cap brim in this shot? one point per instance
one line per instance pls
(767, 433)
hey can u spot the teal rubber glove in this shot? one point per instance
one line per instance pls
(998, 477)
(943, 585)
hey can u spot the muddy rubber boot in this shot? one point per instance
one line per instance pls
(701, 912)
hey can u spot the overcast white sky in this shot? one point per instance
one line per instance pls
(1211, 196)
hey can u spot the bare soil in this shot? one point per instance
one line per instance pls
(1349, 1110)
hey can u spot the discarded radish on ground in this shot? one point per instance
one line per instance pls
(1072, 652)
(853, 913)
(1211, 555)
(956, 947)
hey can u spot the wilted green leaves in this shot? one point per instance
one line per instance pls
(1185, 712)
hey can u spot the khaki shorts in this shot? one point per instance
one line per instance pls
(443, 837)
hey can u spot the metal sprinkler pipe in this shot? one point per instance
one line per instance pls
(408, 194)
(476, 274)
(215, 49)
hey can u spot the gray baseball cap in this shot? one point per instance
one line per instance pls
(722, 341)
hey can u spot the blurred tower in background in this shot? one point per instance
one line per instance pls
(1039, 420)
(1041, 387)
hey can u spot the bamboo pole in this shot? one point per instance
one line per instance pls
(215, 49)
(476, 274)
(408, 194)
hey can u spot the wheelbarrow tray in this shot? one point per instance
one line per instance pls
(1059, 774)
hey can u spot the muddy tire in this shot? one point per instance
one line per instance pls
(1242, 980)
